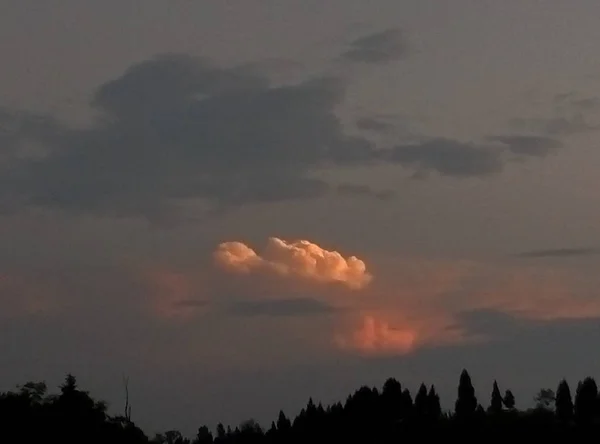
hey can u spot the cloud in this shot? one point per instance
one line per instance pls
(574, 101)
(301, 259)
(380, 47)
(177, 131)
(560, 252)
(176, 128)
(448, 157)
(556, 126)
(353, 190)
(455, 158)
(375, 336)
(534, 146)
(573, 114)
(420, 303)
(282, 307)
(373, 124)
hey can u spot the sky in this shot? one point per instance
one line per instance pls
(241, 204)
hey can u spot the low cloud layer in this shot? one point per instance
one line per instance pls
(301, 259)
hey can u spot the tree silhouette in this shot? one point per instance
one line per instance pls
(203, 436)
(544, 399)
(564, 402)
(496, 401)
(283, 423)
(586, 400)
(421, 403)
(392, 401)
(433, 404)
(466, 403)
(509, 400)
(221, 433)
(407, 403)
(32, 415)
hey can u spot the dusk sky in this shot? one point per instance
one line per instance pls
(241, 204)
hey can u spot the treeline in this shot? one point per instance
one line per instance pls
(369, 415)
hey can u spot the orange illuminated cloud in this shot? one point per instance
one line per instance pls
(302, 259)
(376, 336)
(421, 303)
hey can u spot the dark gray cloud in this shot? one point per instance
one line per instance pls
(572, 114)
(556, 126)
(448, 157)
(575, 101)
(462, 159)
(380, 47)
(560, 252)
(373, 124)
(353, 190)
(281, 307)
(176, 127)
(535, 146)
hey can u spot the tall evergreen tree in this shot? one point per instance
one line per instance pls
(586, 400)
(283, 423)
(391, 400)
(466, 403)
(421, 403)
(564, 402)
(433, 403)
(496, 401)
(407, 403)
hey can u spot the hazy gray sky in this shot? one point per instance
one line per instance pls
(160, 163)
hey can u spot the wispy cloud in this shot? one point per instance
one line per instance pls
(379, 47)
(560, 252)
